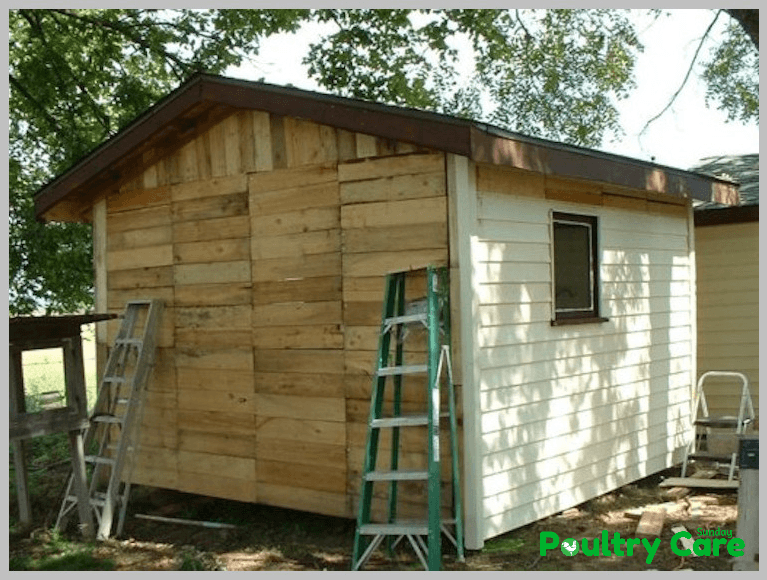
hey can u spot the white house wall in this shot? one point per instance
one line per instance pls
(566, 413)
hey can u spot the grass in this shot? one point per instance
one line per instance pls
(53, 552)
(44, 372)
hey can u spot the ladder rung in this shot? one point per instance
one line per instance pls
(401, 475)
(395, 528)
(404, 421)
(107, 419)
(406, 319)
(402, 370)
(98, 459)
(94, 501)
(122, 401)
(139, 302)
(129, 341)
(717, 422)
(114, 379)
(719, 457)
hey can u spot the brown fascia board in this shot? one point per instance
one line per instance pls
(727, 215)
(490, 145)
(479, 142)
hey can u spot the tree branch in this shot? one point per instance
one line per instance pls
(749, 22)
(686, 76)
(27, 95)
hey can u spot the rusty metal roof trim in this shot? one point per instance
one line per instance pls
(477, 141)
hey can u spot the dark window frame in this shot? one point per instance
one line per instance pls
(580, 315)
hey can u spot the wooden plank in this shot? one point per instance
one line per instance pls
(651, 523)
(209, 464)
(209, 379)
(140, 278)
(323, 289)
(574, 196)
(117, 299)
(380, 263)
(294, 245)
(294, 199)
(395, 213)
(347, 145)
(217, 139)
(390, 166)
(212, 251)
(699, 482)
(395, 238)
(229, 294)
(218, 272)
(212, 229)
(292, 178)
(394, 188)
(232, 424)
(214, 358)
(202, 149)
(302, 140)
(204, 338)
(218, 486)
(156, 236)
(314, 337)
(223, 401)
(306, 220)
(204, 208)
(303, 476)
(213, 317)
(301, 407)
(323, 502)
(146, 257)
(330, 432)
(297, 314)
(497, 179)
(311, 266)
(213, 187)
(299, 361)
(263, 140)
(232, 145)
(365, 145)
(322, 455)
(278, 142)
(188, 163)
(139, 219)
(217, 443)
(136, 199)
(307, 385)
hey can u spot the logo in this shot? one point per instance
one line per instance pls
(569, 547)
(709, 543)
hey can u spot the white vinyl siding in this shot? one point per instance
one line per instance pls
(727, 259)
(571, 412)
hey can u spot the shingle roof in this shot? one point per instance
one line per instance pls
(743, 169)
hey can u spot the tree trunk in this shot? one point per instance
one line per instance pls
(749, 21)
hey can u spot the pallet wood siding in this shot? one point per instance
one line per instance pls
(727, 259)
(393, 217)
(571, 412)
(267, 237)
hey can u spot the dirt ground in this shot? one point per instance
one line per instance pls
(268, 538)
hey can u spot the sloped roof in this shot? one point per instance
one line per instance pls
(744, 169)
(206, 99)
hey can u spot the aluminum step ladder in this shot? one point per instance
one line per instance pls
(114, 425)
(708, 427)
(398, 317)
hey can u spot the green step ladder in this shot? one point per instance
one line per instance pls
(397, 319)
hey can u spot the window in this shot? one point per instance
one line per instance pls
(576, 269)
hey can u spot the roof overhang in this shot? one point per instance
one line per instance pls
(205, 100)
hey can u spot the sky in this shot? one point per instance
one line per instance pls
(685, 134)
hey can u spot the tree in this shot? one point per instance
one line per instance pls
(78, 76)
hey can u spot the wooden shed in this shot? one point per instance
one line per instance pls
(266, 219)
(727, 261)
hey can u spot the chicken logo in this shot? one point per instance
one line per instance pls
(569, 547)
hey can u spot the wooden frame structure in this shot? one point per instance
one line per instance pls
(45, 332)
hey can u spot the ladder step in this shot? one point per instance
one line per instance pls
(720, 457)
(402, 370)
(401, 475)
(98, 459)
(406, 319)
(107, 419)
(129, 341)
(404, 421)
(114, 379)
(718, 422)
(395, 529)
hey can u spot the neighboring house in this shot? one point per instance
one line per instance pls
(727, 259)
(266, 219)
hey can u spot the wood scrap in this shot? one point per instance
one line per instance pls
(651, 522)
